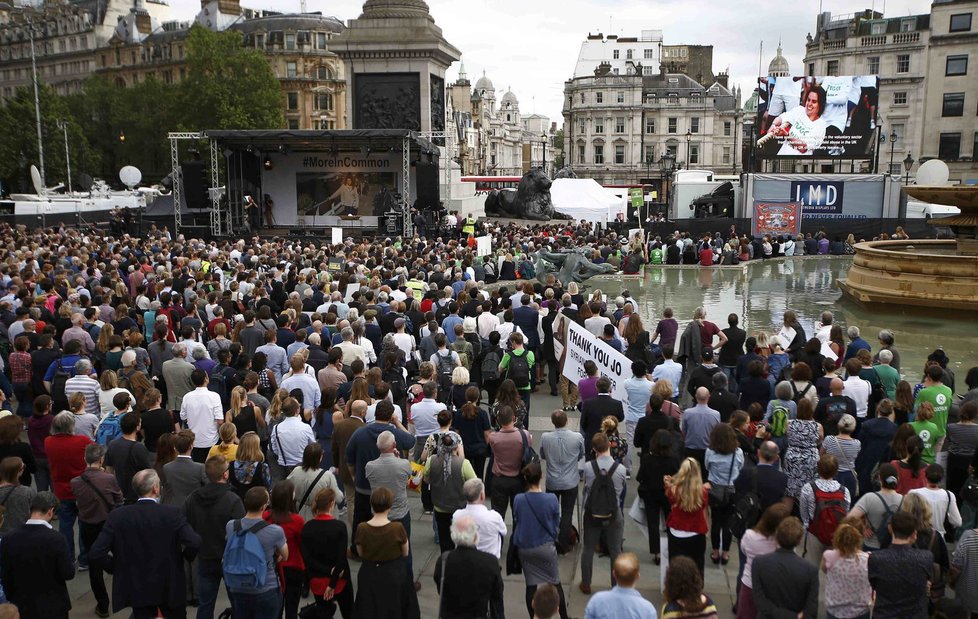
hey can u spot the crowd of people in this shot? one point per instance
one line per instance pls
(261, 412)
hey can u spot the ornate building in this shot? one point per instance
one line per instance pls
(493, 135)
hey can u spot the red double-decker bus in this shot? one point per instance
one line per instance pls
(485, 184)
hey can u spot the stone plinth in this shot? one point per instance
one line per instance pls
(924, 273)
(395, 58)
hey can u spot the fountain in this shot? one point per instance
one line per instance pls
(940, 274)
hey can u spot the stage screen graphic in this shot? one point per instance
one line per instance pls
(819, 117)
(345, 184)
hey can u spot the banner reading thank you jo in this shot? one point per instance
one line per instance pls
(583, 346)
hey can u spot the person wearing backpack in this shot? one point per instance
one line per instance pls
(824, 504)
(488, 362)
(253, 548)
(876, 509)
(145, 546)
(604, 484)
(518, 366)
(445, 361)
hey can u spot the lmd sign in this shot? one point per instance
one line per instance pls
(818, 196)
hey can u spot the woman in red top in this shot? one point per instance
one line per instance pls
(291, 571)
(324, 544)
(20, 374)
(910, 470)
(66, 456)
(688, 500)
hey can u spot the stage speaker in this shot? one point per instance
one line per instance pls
(426, 178)
(194, 184)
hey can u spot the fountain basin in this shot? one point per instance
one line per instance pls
(923, 273)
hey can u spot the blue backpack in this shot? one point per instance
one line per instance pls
(108, 429)
(245, 564)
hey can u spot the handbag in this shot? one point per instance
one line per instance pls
(529, 454)
(315, 611)
(852, 471)
(722, 496)
(513, 563)
(305, 496)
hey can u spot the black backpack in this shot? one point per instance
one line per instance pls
(59, 399)
(797, 396)
(490, 365)
(602, 499)
(446, 365)
(747, 511)
(518, 370)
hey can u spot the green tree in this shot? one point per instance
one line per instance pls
(19, 149)
(227, 85)
(560, 157)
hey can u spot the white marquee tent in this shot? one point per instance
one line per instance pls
(584, 198)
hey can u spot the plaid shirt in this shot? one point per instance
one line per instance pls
(20, 367)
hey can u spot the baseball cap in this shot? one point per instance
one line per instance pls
(398, 323)
(707, 354)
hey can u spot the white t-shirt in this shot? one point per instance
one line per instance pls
(838, 93)
(811, 132)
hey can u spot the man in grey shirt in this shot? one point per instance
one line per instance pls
(697, 424)
(563, 450)
(392, 472)
(612, 528)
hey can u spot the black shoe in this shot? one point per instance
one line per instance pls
(101, 612)
(554, 394)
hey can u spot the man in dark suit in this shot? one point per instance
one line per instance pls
(183, 475)
(35, 564)
(467, 578)
(771, 482)
(528, 320)
(144, 546)
(721, 399)
(597, 408)
(784, 583)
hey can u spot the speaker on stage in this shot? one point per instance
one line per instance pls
(426, 178)
(194, 184)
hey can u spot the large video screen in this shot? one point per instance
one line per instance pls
(829, 117)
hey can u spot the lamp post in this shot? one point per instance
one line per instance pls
(543, 142)
(907, 164)
(63, 125)
(893, 139)
(667, 163)
(689, 136)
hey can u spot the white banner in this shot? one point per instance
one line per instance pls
(337, 236)
(483, 245)
(583, 346)
(350, 289)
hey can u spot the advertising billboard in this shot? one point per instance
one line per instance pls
(818, 117)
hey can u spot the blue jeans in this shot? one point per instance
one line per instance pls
(67, 514)
(209, 575)
(525, 395)
(256, 605)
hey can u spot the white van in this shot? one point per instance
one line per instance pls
(917, 210)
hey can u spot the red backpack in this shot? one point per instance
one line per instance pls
(830, 510)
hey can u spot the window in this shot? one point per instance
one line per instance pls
(811, 68)
(726, 155)
(290, 41)
(671, 149)
(694, 153)
(580, 153)
(960, 23)
(599, 97)
(672, 124)
(293, 100)
(949, 148)
(619, 153)
(694, 125)
(322, 101)
(647, 71)
(903, 63)
(908, 25)
(323, 73)
(878, 28)
(953, 104)
(599, 125)
(620, 124)
(583, 98)
(628, 55)
(832, 67)
(648, 54)
(874, 65)
(899, 98)
(621, 97)
(260, 41)
(290, 69)
(614, 54)
(650, 125)
(293, 124)
(727, 128)
(650, 153)
(320, 40)
(599, 154)
(583, 127)
(956, 65)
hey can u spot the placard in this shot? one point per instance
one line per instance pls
(483, 246)
(350, 289)
(335, 264)
(337, 236)
(583, 346)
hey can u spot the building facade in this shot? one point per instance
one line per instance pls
(617, 127)
(621, 54)
(928, 88)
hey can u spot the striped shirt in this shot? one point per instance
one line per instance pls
(87, 387)
(844, 450)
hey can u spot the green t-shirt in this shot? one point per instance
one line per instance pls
(657, 256)
(889, 377)
(940, 398)
(529, 361)
(928, 433)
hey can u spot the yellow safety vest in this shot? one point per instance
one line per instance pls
(469, 226)
(416, 287)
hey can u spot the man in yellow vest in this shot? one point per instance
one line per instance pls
(416, 286)
(468, 228)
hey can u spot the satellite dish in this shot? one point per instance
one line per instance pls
(933, 173)
(85, 182)
(130, 176)
(36, 180)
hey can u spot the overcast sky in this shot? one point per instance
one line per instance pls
(532, 45)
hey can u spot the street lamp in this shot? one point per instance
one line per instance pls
(667, 163)
(907, 164)
(893, 138)
(689, 136)
(543, 137)
(63, 125)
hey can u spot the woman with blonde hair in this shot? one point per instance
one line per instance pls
(619, 448)
(228, 447)
(664, 388)
(109, 386)
(688, 503)
(249, 469)
(846, 567)
(101, 346)
(461, 381)
(274, 413)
